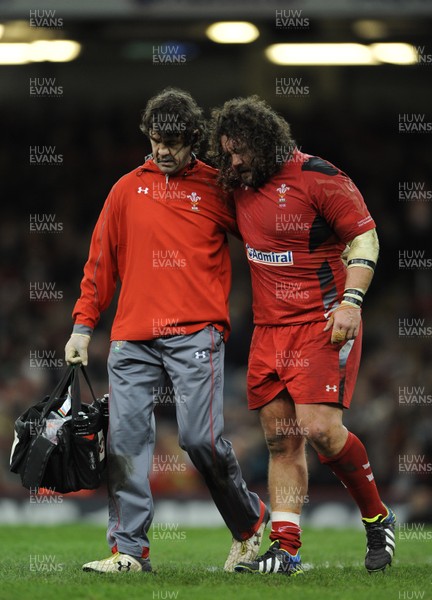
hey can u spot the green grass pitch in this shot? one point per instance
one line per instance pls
(45, 563)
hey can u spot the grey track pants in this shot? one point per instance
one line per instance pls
(194, 363)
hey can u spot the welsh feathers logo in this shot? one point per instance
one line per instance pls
(194, 198)
(283, 189)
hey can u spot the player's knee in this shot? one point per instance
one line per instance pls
(286, 445)
(319, 434)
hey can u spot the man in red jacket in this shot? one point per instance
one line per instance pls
(162, 235)
(298, 216)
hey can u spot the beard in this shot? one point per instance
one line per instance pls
(257, 175)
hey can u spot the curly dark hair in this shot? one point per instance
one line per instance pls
(173, 113)
(250, 123)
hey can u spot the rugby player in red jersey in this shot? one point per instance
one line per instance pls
(162, 235)
(312, 248)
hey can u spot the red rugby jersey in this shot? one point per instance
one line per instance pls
(295, 228)
(164, 239)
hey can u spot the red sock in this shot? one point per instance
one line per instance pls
(351, 466)
(145, 551)
(288, 535)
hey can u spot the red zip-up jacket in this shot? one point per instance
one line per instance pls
(164, 239)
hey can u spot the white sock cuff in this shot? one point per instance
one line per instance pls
(286, 517)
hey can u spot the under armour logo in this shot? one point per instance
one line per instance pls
(142, 190)
(331, 388)
(202, 354)
(124, 567)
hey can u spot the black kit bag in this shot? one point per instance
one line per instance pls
(59, 443)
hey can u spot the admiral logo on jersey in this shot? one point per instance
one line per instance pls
(277, 259)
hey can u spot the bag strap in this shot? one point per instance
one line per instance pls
(36, 461)
(75, 396)
(76, 391)
(58, 391)
(86, 377)
(70, 378)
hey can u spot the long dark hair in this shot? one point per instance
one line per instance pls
(250, 123)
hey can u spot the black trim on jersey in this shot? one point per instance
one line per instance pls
(344, 353)
(319, 165)
(327, 285)
(341, 390)
(320, 231)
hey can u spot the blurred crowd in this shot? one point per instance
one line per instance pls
(392, 406)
